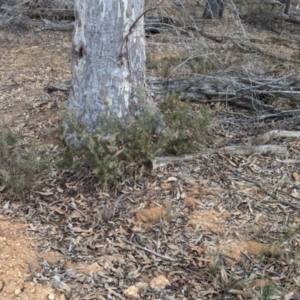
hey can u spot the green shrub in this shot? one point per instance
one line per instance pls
(267, 291)
(19, 164)
(204, 63)
(116, 148)
(264, 14)
(187, 129)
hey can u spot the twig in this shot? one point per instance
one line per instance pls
(277, 201)
(284, 202)
(150, 251)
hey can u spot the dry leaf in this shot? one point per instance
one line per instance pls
(288, 296)
(171, 179)
(71, 187)
(151, 215)
(111, 291)
(132, 292)
(122, 230)
(47, 193)
(75, 214)
(59, 210)
(190, 201)
(80, 230)
(165, 186)
(257, 218)
(295, 194)
(296, 176)
(89, 269)
(199, 250)
(159, 282)
(119, 151)
(259, 283)
(224, 275)
(60, 190)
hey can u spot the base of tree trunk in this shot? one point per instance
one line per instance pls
(214, 9)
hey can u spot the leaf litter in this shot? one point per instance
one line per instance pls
(217, 227)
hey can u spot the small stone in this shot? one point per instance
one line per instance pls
(62, 297)
(51, 297)
(17, 292)
(159, 282)
(89, 269)
(51, 257)
(132, 292)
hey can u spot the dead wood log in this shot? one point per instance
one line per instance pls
(258, 144)
(153, 25)
(62, 87)
(292, 18)
(254, 146)
(244, 46)
(232, 150)
(277, 115)
(273, 134)
(250, 150)
(241, 91)
(57, 26)
(50, 13)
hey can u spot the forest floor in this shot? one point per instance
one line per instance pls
(219, 226)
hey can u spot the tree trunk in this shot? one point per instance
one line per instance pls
(108, 63)
(287, 7)
(214, 9)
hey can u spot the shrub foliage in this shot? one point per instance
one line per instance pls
(116, 147)
(19, 163)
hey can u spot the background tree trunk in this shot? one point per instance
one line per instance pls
(108, 62)
(287, 7)
(214, 9)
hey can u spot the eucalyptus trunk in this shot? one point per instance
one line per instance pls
(214, 9)
(287, 7)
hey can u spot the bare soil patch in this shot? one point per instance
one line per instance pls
(19, 261)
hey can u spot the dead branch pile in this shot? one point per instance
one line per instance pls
(241, 91)
(22, 17)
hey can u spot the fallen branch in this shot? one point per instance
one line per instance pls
(240, 91)
(153, 25)
(164, 160)
(268, 136)
(249, 47)
(292, 18)
(277, 201)
(150, 251)
(50, 13)
(282, 114)
(284, 202)
(57, 26)
(250, 150)
(255, 146)
(235, 149)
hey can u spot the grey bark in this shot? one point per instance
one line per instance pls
(214, 9)
(108, 62)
